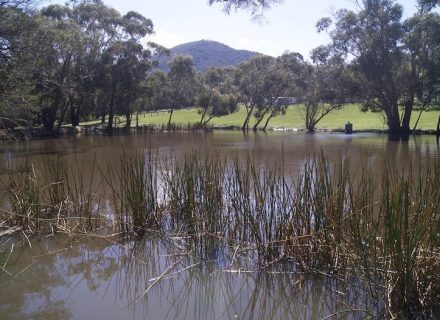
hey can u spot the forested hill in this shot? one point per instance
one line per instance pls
(208, 54)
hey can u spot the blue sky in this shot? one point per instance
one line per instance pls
(287, 27)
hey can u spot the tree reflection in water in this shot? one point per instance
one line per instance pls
(62, 278)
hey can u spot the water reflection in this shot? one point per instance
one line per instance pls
(266, 149)
(155, 279)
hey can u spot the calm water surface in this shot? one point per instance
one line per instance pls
(64, 278)
(269, 149)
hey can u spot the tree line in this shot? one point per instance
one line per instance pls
(64, 64)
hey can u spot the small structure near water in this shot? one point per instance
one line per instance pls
(348, 128)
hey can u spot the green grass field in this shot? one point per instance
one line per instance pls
(294, 118)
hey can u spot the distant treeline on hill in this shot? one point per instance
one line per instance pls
(207, 54)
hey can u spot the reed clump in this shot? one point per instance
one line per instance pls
(49, 195)
(384, 231)
(23, 197)
(133, 184)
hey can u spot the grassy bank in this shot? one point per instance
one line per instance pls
(383, 231)
(294, 118)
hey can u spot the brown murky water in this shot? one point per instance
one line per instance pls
(64, 278)
(274, 148)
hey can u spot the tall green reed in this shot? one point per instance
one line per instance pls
(133, 183)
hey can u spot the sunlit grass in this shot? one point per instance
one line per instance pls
(294, 118)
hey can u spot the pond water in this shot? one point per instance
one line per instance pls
(274, 148)
(61, 277)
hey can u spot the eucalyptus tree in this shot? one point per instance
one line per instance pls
(211, 103)
(14, 20)
(422, 59)
(54, 77)
(203, 100)
(283, 85)
(393, 59)
(19, 41)
(133, 63)
(328, 85)
(124, 62)
(251, 80)
(216, 94)
(101, 26)
(158, 91)
(262, 81)
(88, 50)
(182, 80)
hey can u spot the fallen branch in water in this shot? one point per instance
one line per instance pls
(10, 231)
(157, 279)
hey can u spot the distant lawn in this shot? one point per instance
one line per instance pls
(292, 119)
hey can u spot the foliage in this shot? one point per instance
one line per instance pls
(251, 80)
(256, 7)
(83, 60)
(182, 80)
(216, 95)
(212, 103)
(80, 59)
(329, 84)
(158, 91)
(398, 67)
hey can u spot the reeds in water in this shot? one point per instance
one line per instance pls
(381, 229)
(49, 195)
(133, 182)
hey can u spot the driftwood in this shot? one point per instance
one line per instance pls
(9, 231)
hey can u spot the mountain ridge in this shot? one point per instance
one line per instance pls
(206, 54)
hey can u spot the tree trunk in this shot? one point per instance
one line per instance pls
(169, 119)
(393, 120)
(246, 121)
(311, 109)
(267, 121)
(205, 123)
(438, 126)
(255, 127)
(111, 113)
(128, 118)
(61, 120)
(407, 116)
(418, 119)
(74, 117)
(203, 117)
(48, 118)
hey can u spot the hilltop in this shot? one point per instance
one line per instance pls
(208, 54)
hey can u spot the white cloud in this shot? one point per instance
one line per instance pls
(244, 42)
(167, 39)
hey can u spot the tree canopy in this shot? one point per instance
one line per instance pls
(84, 60)
(395, 60)
(256, 7)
